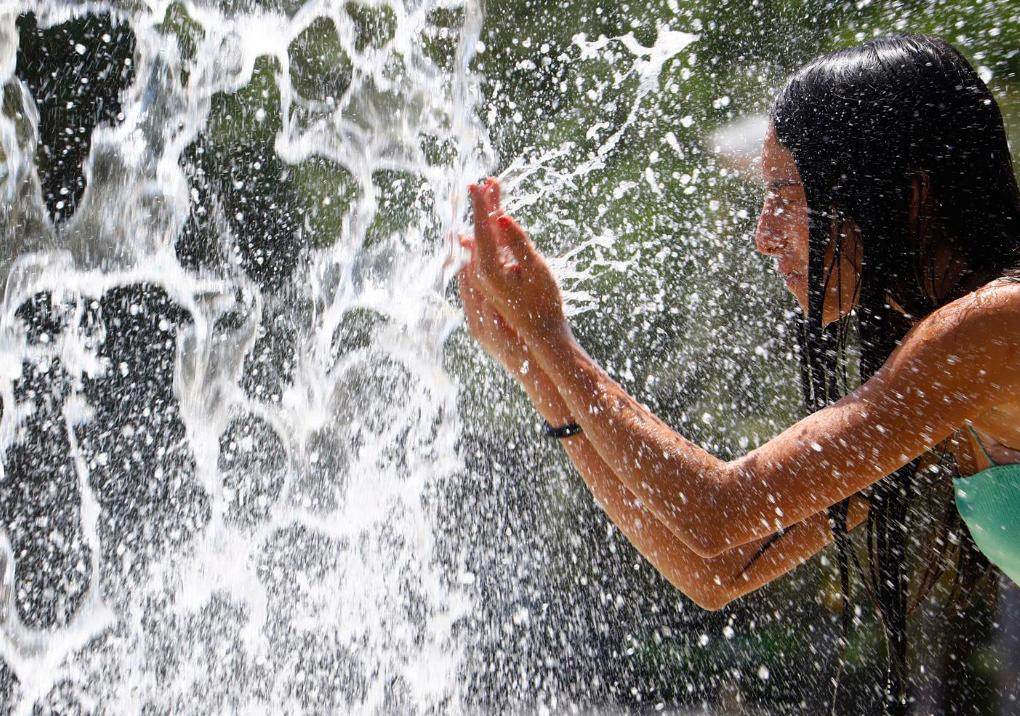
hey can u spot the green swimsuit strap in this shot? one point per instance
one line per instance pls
(989, 504)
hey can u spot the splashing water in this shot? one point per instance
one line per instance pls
(226, 410)
(225, 415)
(236, 473)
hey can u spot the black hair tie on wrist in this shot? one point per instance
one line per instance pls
(564, 431)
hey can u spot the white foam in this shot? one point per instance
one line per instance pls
(123, 233)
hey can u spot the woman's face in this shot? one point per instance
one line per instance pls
(782, 232)
(782, 229)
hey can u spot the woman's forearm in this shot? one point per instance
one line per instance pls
(797, 544)
(673, 477)
(710, 582)
(694, 576)
(704, 581)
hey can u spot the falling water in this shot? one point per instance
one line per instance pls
(224, 416)
(227, 416)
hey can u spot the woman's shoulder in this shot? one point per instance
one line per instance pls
(996, 300)
(984, 322)
(965, 354)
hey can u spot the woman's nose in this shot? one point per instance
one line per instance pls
(767, 240)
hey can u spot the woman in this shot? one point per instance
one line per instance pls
(890, 201)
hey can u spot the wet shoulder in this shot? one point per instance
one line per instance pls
(983, 325)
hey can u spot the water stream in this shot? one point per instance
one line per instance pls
(224, 401)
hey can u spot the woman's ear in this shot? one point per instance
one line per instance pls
(852, 255)
(940, 263)
(844, 259)
(851, 247)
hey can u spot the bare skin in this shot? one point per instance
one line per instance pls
(701, 520)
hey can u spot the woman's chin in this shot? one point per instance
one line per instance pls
(799, 292)
(796, 285)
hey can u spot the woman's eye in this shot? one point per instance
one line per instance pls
(776, 204)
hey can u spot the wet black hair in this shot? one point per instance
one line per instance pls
(900, 141)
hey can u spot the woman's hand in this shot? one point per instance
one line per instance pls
(497, 337)
(511, 272)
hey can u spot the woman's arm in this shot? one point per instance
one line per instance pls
(953, 366)
(711, 583)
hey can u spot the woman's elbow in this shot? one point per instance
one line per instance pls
(708, 527)
(709, 591)
(711, 600)
(708, 542)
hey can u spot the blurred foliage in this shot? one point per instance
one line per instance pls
(189, 33)
(320, 69)
(373, 26)
(52, 61)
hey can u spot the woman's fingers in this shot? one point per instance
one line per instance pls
(468, 287)
(476, 305)
(514, 284)
(501, 247)
(484, 241)
(468, 243)
(478, 211)
(516, 239)
(493, 191)
(485, 200)
(484, 322)
(466, 296)
(473, 294)
(470, 293)
(486, 250)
